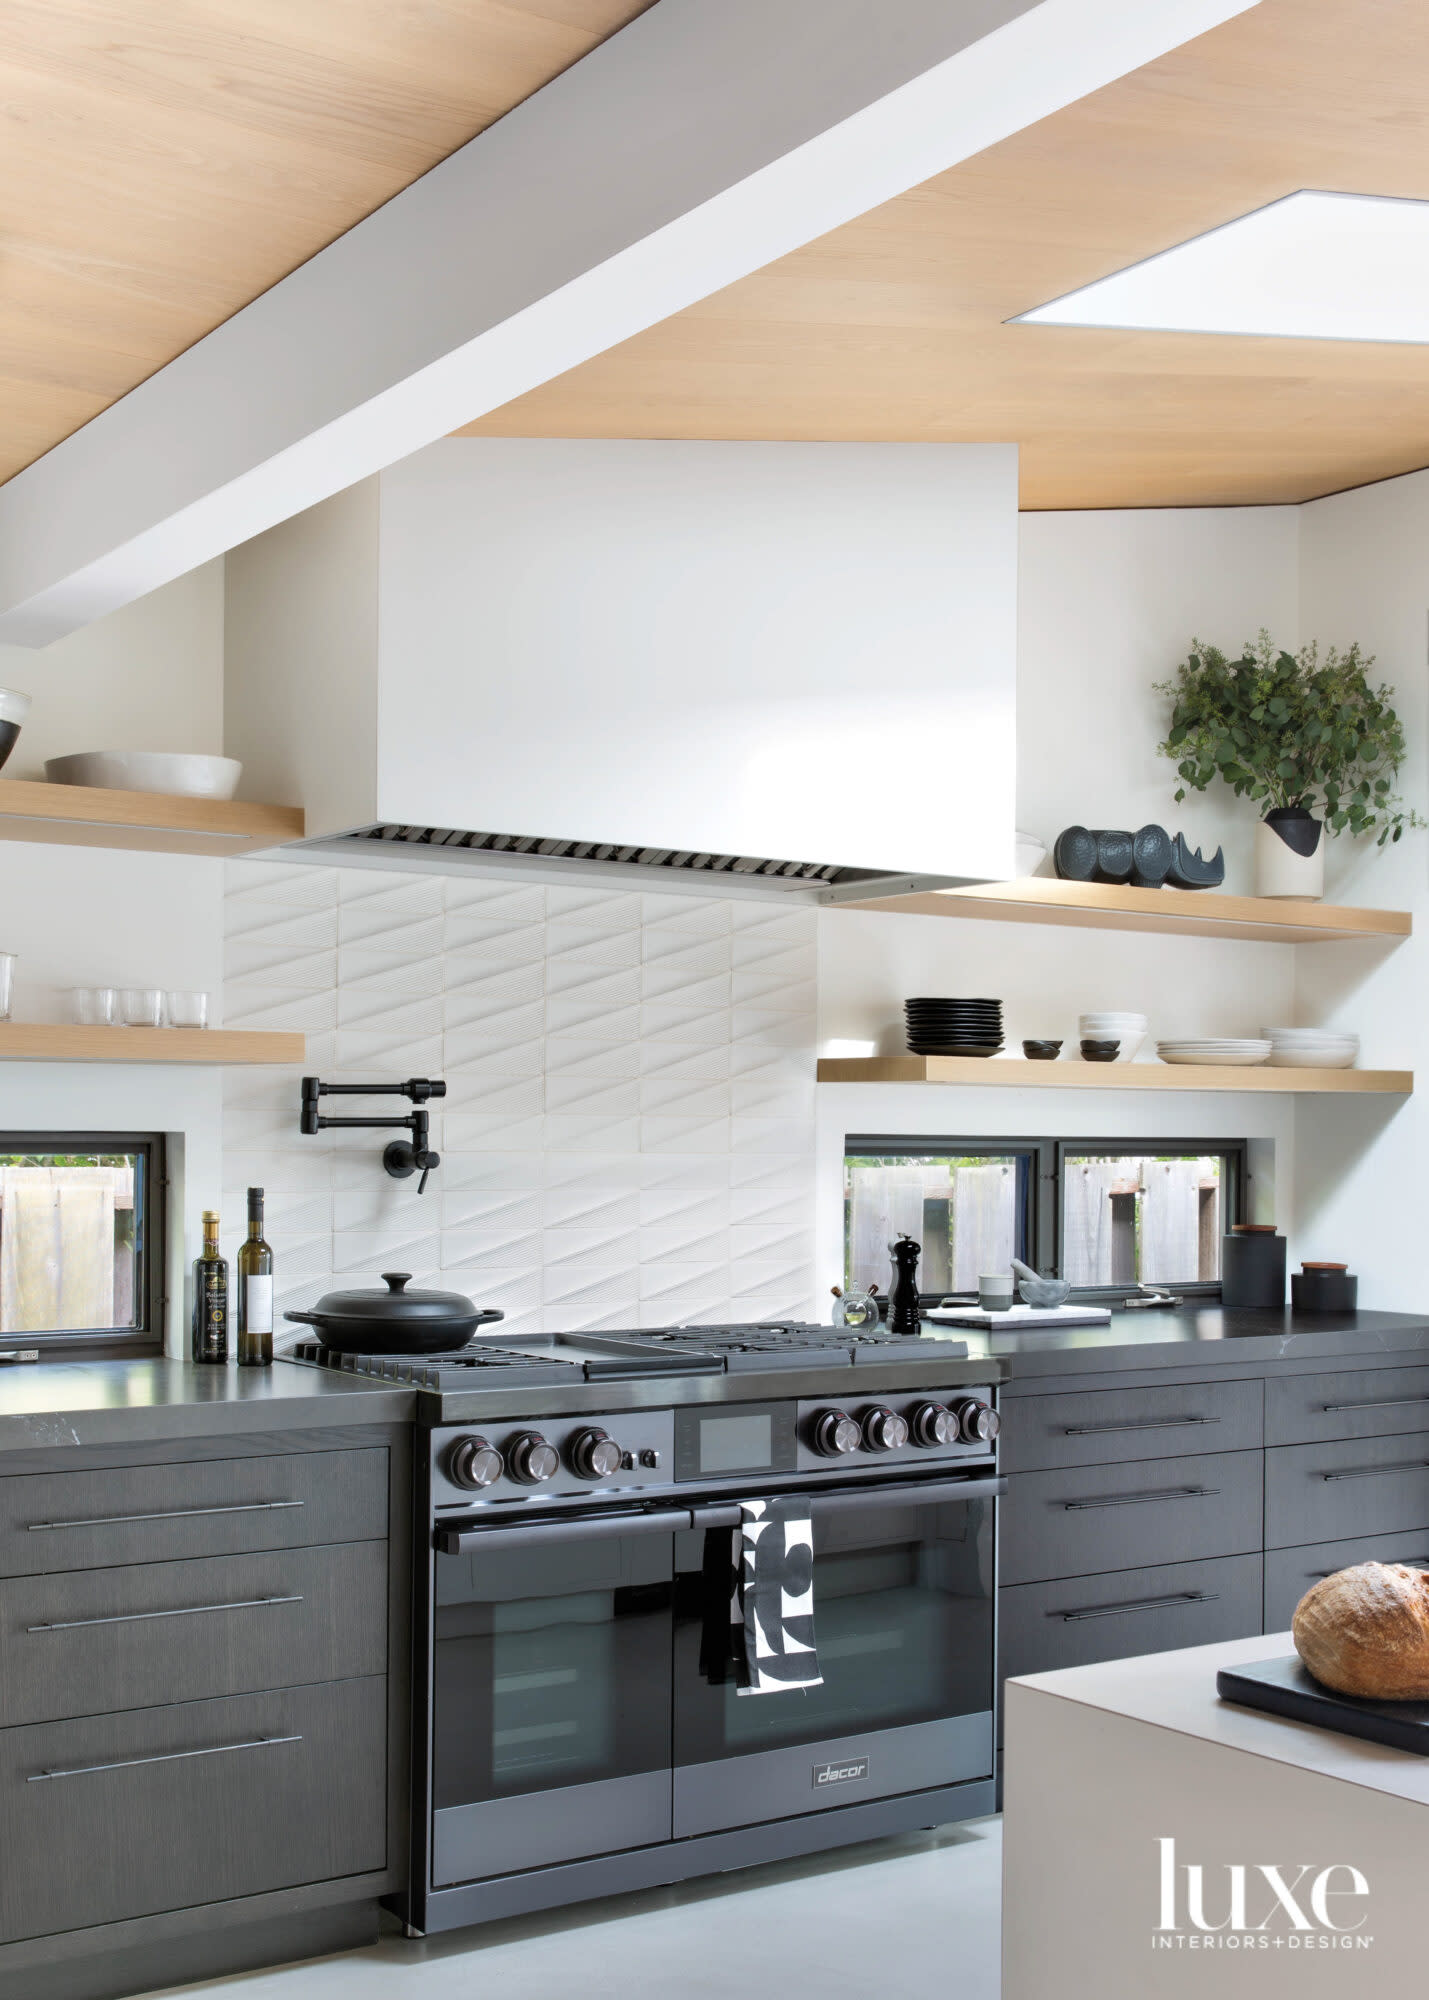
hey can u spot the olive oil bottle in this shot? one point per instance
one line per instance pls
(255, 1291)
(210, 1329)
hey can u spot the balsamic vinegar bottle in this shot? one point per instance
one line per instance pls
(210, 1329)
(255, 1291)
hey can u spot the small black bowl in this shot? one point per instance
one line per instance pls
(1041, 1051)
(1100, 1051)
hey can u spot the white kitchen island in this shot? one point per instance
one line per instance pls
(1159, 1841)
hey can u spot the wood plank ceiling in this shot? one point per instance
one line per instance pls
(893, 327)
(162, 162)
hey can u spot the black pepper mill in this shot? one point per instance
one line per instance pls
(903, 1315)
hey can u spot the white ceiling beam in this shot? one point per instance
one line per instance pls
(706, 139)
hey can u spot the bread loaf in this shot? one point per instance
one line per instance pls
(1365, 1631)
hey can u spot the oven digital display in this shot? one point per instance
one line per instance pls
(737, 1444)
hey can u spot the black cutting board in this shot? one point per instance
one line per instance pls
(1286, 1687)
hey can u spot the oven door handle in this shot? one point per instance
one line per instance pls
(465, 1541)
(922, 1493)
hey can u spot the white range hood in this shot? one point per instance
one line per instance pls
(766, 669)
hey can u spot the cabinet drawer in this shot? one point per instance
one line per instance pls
(157, 1513)
(1081, 1619)
(1289, 1573)
(124, 1815)
(1355, 1486)
(1107, 1426)
(1102, 1517)
(90, 1641)
(1379, 1402)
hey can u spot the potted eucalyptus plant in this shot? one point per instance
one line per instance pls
(1311, 740)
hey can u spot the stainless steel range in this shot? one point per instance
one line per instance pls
(578, 1495)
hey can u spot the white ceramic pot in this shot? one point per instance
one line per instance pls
(1281, 869)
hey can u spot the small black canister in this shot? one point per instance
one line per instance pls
(1324, 1288)
(1253, 1266)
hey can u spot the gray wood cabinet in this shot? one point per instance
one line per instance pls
(1081, 1519)
(1121, 1533)
(203, 1668)
(156, 1809)
(157, 1513)
(88, 1642)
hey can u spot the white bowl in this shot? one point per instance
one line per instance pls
(1227, 1059)
(178, 773)
(1028, 853)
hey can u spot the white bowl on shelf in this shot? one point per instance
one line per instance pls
(179, 774)
(1028, 853)
(1128, 1029)
(1232, 1052)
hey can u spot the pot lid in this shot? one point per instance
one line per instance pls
(395, 1302)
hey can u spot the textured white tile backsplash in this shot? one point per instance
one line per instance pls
(628, 1132)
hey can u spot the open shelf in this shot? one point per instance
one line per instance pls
(44, 1041)
(153, 822)
(1037, 899)
(1010, 1073)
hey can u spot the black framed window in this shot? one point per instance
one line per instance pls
(1110, 1214)
(82, 1242)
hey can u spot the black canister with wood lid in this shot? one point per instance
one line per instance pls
(1253, 1266)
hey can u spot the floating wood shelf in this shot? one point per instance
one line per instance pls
(1037, 899)
(1010, 1073)
(152, 822)
(44, 1041)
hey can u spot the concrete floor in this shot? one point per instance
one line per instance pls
(920, 1912)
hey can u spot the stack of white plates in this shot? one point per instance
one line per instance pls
(1128, 1029)
(1312, 1048)
(1237, 1052)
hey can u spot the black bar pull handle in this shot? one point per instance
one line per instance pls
(464, 1540)
(1376, 1471)
(1409, 1562)
(180, 1611)
(168, 1514)
(1144, 1424)
(1141, 1499)
(167, 1757)
(847, 1499)
(1379, 1403)
(1137, 1604)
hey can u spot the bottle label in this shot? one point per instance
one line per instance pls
(212, 1343)
(258, 1304)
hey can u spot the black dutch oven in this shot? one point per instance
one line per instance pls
(395, 1321)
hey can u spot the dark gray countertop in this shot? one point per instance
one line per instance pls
(1192, 1340)
(50, 1405)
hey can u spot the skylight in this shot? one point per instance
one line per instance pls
(1312, 266)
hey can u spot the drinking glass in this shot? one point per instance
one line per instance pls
(141, 1006)
(96, 1006)
(188, 1010)
(7, 982)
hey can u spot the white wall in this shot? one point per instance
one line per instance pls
(149, 677)
(1360, 1164)
(1108, 603)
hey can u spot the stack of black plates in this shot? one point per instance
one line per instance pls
(954, 1027)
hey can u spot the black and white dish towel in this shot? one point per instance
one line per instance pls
(768, 1566)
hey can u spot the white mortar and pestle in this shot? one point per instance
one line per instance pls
(1043, 1292)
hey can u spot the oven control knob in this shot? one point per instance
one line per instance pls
(530, 1459)
(977, 1423)
(473, 1463)
(834, 1434)
(934, 1424)
(594, 1455)
(884, 1430)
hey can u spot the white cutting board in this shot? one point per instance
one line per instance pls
(1019, 1316)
